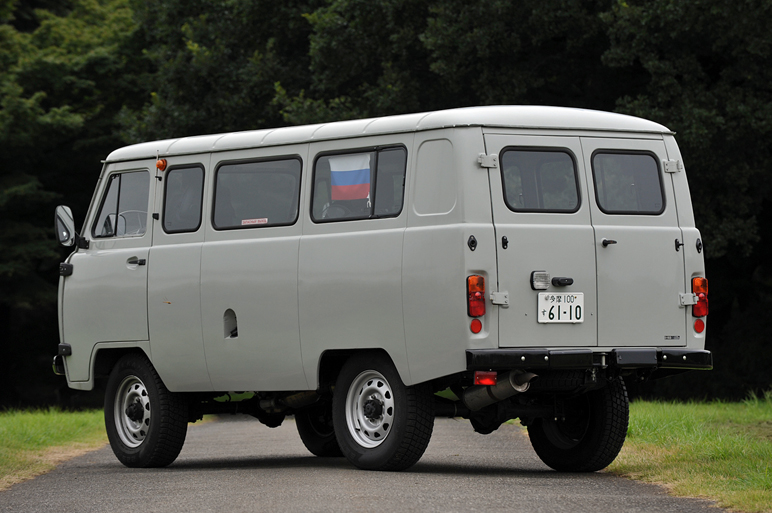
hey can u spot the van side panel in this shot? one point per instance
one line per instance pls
(251, 285)
(249, 302)
(174, 295)
(349, 275)
(449, 203)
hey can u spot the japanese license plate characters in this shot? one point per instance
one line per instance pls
(562, 307)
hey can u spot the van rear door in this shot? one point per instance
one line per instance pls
(541, 215)
(640, 265)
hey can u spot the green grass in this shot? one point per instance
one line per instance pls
(716, 450)
(33, 442)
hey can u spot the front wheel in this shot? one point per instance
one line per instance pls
(591, 435)
(146, 424)
(380, 423)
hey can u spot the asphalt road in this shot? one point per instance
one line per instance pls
(238, 464)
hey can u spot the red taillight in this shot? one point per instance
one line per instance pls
(699, 326)
(476, 326)
(475, 289)
(700, 287)
(485, 377)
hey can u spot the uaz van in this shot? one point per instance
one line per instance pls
(367, 276)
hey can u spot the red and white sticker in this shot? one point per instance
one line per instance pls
(246, 222)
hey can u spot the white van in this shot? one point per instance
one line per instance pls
(365, 276)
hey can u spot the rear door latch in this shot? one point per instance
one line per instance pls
(688, 299)
(500, 298)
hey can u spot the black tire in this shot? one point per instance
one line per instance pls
(591, 436)
(146, 424)
(316, 430)
(380, 423)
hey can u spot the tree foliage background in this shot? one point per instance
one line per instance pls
(79, 78)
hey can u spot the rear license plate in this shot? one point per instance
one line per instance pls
(562, 307)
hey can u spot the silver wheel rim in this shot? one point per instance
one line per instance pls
(370, 409)
(132, 411)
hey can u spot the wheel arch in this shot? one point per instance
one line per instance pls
(331, 362)
(105, 359)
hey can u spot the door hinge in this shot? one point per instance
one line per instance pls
(500, 298)
(488, 160)
(688, 299)
(673, 166)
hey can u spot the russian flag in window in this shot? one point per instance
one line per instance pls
(350, 177)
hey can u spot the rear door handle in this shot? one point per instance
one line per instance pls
(606, 242)
(136, 261)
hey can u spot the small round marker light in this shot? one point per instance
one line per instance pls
(476, 326)
(699, 326)
(160, 164)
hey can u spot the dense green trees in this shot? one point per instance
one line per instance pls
(81, 77)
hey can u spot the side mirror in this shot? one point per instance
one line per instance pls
(65, 226)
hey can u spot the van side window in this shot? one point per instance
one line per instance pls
(360, 185)
(627, 183)
(539, 180)
(183, 198)
(257, 194)
(124, 207)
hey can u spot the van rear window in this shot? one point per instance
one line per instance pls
(539, 180)
(362, 185)
(257, 194)
(627, 183)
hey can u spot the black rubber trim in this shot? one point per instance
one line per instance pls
(684, 359)
(634, 358)
(491, 359)
(624, 358)
(65, 349)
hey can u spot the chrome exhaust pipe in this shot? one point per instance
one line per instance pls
(513, 382)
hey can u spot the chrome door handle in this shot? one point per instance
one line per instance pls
(606, 242)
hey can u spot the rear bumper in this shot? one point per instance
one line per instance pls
(620, 358)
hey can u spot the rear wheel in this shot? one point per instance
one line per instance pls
(380, 423)
(316, 430)
(591, 435)
(146, 424)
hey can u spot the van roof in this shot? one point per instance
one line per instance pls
(506, 116)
